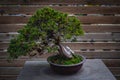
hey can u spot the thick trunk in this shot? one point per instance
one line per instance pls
(64, 52)
(62, 49)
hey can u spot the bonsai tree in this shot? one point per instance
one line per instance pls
(45, 31)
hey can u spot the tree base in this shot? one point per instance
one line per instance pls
(68, 67)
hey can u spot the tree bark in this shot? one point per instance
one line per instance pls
(62, 49)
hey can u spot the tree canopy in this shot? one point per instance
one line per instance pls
(45, 27)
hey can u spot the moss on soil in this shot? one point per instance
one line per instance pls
(66, 61)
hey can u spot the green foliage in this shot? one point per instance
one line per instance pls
(29, 33)
(47, 26)
(18, 48)
(66, 61)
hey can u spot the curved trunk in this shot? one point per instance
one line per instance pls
(63, 50)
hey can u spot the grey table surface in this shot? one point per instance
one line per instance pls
(93, 69)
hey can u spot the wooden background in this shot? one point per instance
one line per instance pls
(100, 19)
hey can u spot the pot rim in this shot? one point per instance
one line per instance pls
(84, 59)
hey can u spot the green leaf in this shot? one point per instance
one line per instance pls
(45, 25)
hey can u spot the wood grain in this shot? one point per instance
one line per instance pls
(83, 19)
(101, 28)
(67, 9)
(15, 63)
(4, 28)
(42, 2)
(115, 71)
(20, 63)
(10, 70)
(96, 45)
(8, 77)
(87, 28)
(6, 37)
(112, 62)
(87, 54)
(81, 45)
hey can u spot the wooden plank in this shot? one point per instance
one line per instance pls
(100, 54)
(115, 71)
(83, 19)
(10, 27)
(99, 19)
(13, 19)
(101, 28)
(117, 77)
(116, 36)
(112, 62)
(114, 68)
(8, 77)
(87, 28)
(96, 2)
(15, 63)
(4, 45)
(81, 45)
(4, 55)
(20, 63)
(95, 37)
(87, 54)
(67, 9)
(93, 45)
(5, 37)
(10, 70)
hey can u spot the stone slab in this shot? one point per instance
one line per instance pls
(93, 69)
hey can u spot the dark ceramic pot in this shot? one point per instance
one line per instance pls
(66, 69)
